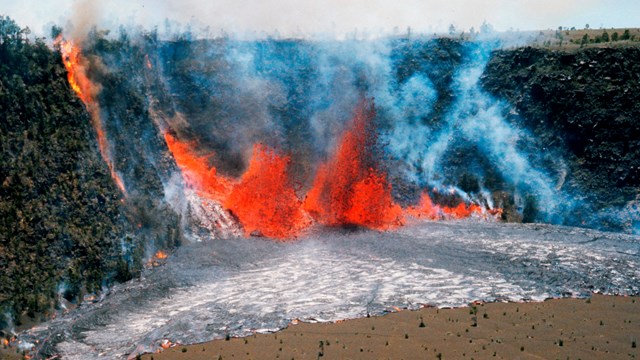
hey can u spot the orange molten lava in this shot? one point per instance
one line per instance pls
(147, 62)
(197, 172)
(462, 211)
(346, 191)
(85, 89)
(265, 201)
(160, 255)
(427, 209)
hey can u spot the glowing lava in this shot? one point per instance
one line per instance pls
(197, 172)
(76, 74)
(461, 211)
(86, 91)
(427, 209)
(147, 62)
(265, 201)
(347, 189)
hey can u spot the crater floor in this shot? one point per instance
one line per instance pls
(237, 286)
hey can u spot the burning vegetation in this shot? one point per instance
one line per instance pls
(86, 91)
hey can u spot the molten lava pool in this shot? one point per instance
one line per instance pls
(238, 286)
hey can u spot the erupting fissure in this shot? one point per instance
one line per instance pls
(86, 91)
(348, 189)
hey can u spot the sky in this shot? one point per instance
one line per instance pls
(301, 18)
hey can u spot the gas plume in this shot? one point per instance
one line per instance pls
(240, 117)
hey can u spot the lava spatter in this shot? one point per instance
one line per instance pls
(347, 190)
(197, 171)
(265, 200)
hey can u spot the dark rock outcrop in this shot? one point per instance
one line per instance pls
(586, 106)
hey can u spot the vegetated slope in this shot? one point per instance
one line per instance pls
(60, 213)
(585, 104)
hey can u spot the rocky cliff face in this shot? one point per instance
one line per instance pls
(584, 105)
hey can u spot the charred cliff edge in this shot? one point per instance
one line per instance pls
(585, 106)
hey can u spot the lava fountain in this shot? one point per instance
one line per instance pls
(348, 188)
(265, 200)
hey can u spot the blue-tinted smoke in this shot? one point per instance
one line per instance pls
(298, 94)
(436, 122)
(477, 118)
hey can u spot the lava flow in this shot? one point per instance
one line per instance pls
(348, 189)
(265, 201)
(86, 90)
(197, 172)
(427, 209)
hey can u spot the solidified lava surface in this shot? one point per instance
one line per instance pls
(237, 286)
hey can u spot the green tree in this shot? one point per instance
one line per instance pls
(585, 40)
(625, 35)
(486, 28)
(452, 29)
(605, 36)
(614, 36)
(59, 208)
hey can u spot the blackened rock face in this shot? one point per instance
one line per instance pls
(585, 105)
